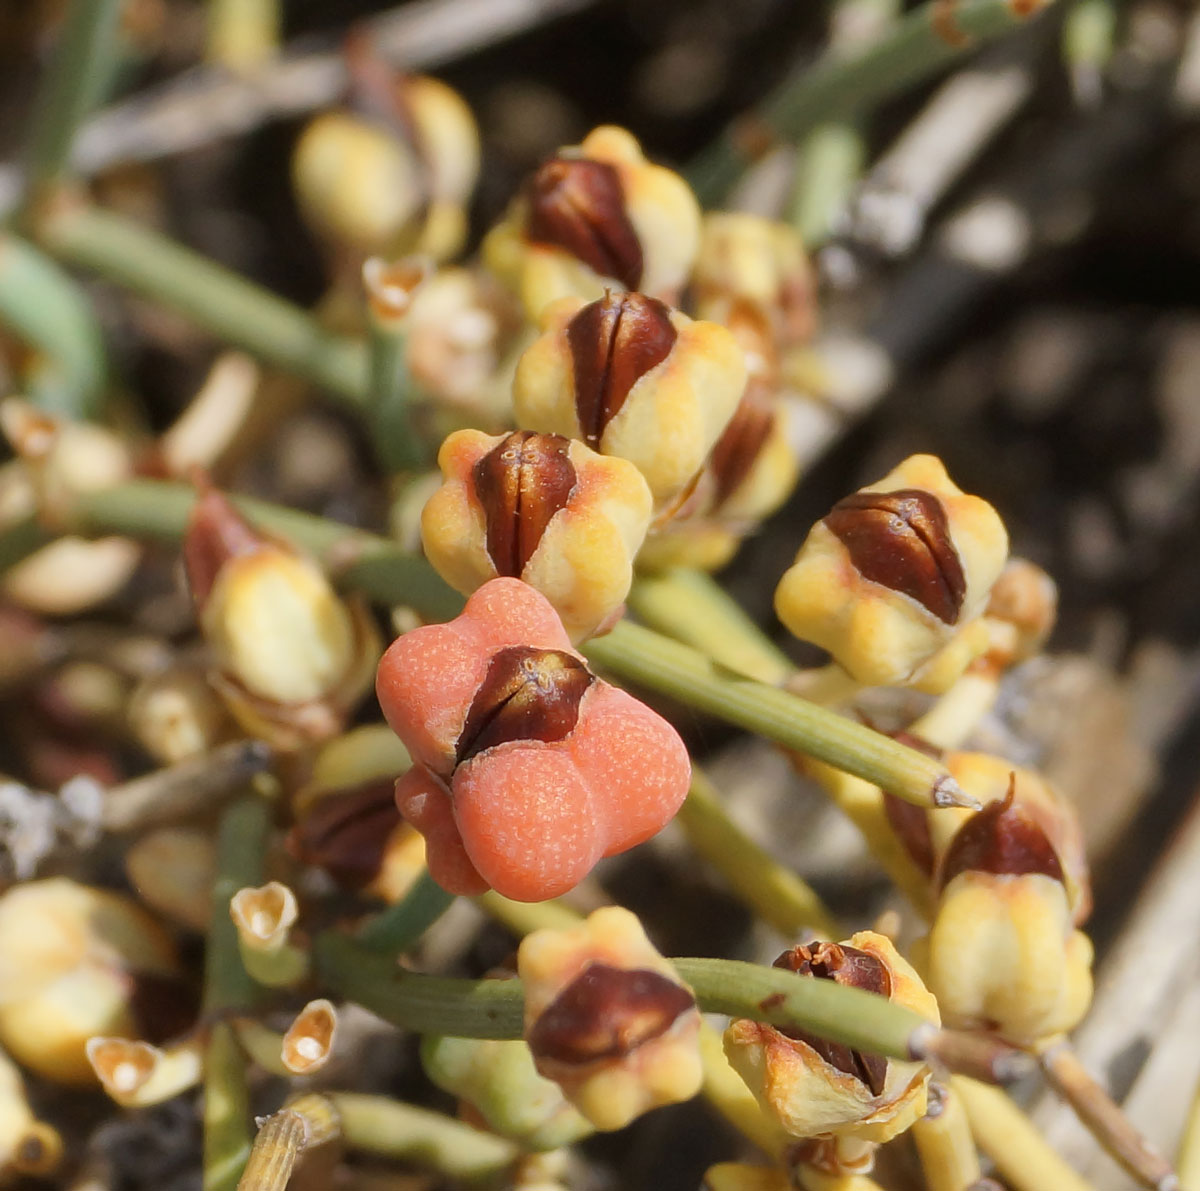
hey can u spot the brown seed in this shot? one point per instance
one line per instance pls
(527, 694)
(347, 833)
(901, 540)
(857, 969)
(216, 532)
(521, 483)
(739, 446)
(606, 1013)
(1003, 838)
(614, 342)
(578, 205)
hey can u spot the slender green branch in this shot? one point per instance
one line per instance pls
(241, 852)
(20, 539)
(424, 1004)
(226, 1110)
(357, 560)
(230, 307)
(44, 308)
(693, 608)
(772, 891)
(495, 1008)
(828, 165)
(381, 570)
(241, 844)
(80, 71)
(398, 927)
(390, 289)
(397, 440)
(839, 85)
(429, 1139)
(673, 669)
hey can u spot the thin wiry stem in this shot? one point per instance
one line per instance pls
(837, 86)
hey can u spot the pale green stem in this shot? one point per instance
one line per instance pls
(495, 1008)
(226, 1110)
(645, 657)
(828, 164)
(398, 927)
(362, 561)
(425, 1138)
(279, 967)
(21, 539)
(241, 845)
(392, 393)
(81, 69)
(840, 85)
(693, 608)
(830, 157)
(230, 307)
(379, 569)
(45, 309)
(772, 891)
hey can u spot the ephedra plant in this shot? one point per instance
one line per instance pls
(574, 428)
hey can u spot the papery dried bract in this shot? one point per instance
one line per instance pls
(800, 1086)
(291, 657)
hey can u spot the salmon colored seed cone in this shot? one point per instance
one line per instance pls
(423, 801)
(530, 824)
(642, 765)
(567, 769)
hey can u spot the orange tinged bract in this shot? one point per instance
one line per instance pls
(527, 768)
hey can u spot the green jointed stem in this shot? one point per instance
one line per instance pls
(397, 441)
(414, 1001)
(775, 893)
(20, 539)
(381, 570)
(230, 307)
(839, 85)
(398, 927)
(670, 668)
(227, 1137)
(45, 309)
(241, 848)
(357, 560)
(80, 71)
(693, 607)
(428, 1139)
(495, 1008)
